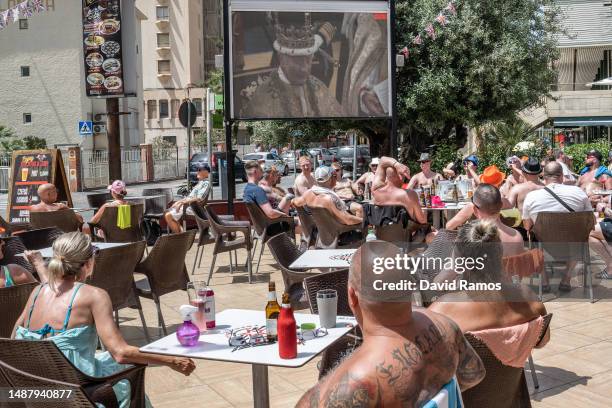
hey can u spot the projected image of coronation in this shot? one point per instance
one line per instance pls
(309, 64)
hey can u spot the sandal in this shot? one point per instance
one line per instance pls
(565, 287)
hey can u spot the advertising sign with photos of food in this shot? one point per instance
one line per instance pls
(102, 47)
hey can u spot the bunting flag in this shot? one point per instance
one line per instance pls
(25, 9)
(430, 30)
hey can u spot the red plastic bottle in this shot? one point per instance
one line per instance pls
(287, 330)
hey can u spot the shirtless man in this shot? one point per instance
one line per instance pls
(593, 163)
(426, 176)
(48, 201)
(407, 355)
(304, 181)
(323, 196)
(386, 189)
(531, 170)
(367, 178)
(344, 186)
(515, 177)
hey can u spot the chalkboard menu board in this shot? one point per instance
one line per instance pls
(29, 170)
(102, 47)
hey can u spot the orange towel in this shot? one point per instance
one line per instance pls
(512, 345)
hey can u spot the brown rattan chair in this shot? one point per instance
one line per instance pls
(565, 237)
(13, 248)
(12, 302)
(165, 269)
(65, 220)
(225, 241)
(12, 227)
(308, 236)
(285, 252)
(503, 386)
(112, 233)
(264, 227)
(333, 234)
(337, 280)
(114, 272)
(97, 200)
(11, 377)
(38, 238)
(204, 235)
(42, 358)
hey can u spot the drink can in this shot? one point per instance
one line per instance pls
(210, 309)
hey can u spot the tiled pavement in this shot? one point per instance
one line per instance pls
(574, 369)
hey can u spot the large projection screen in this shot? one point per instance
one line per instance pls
(309, 59)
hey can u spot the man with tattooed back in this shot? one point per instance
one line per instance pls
(408, 354)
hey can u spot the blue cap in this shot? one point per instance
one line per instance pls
(472, 158)
(202, 166)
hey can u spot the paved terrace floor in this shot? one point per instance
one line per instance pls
(574, 369)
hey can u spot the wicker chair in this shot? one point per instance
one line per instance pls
(264, 227)
(38, 238)
(555, 231)
(308, 236)
(12, 227)
(42, 358)
(285, 252)
(13, 378)
(337, 280)
(223, 231)
(12, 302)
(13, 247)
(204, 236)
(65, 220)
(331, 232)
(97, 200)
(503, 386)
(165, 269)
(112, 233)
(114, 272)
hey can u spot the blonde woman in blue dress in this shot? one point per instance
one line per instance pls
(73, 314)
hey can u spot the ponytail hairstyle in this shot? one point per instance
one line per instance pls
(480, 240)
(70, 252)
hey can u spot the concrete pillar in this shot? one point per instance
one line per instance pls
(146, 155)
(74, 169)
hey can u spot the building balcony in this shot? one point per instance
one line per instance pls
(163, 50)
(164, 75)
(162, 22)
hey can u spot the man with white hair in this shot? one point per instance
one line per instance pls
(365, 181)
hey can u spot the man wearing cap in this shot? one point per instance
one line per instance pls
(323, 196)
(426, 176)
(592, 165)
(531, 170)
(305, 180)
(470, 166)
(291, 91)
(199, 193)
(387, 189)
(367, 178)
(515, 177)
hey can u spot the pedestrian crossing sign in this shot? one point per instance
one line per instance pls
(85, 127)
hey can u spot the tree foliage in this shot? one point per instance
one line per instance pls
(491, 60)
(9, 141)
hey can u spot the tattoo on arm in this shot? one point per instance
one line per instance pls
(353, 392)
(470, 369)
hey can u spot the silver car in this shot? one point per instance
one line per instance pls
(270, 159)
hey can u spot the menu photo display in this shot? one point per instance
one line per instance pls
(30, 172)
(102, 47)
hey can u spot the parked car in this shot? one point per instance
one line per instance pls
(198, 158)
(345, 156)
(323, 155)
(270, 159)
(290, 160)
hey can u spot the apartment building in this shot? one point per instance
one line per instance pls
(42, 81)
(577, 108)
(179, 43)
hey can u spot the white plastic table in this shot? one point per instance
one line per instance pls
(214, 345)
(48, 252)
(437, 211)
(324, 259)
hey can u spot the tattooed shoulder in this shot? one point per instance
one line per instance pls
(352, 391)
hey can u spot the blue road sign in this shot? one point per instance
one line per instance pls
(85, 127)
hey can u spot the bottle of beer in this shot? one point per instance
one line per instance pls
(287, 331)
(272, 312)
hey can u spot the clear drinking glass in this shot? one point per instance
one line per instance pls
(327, 303)
(196, 291)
